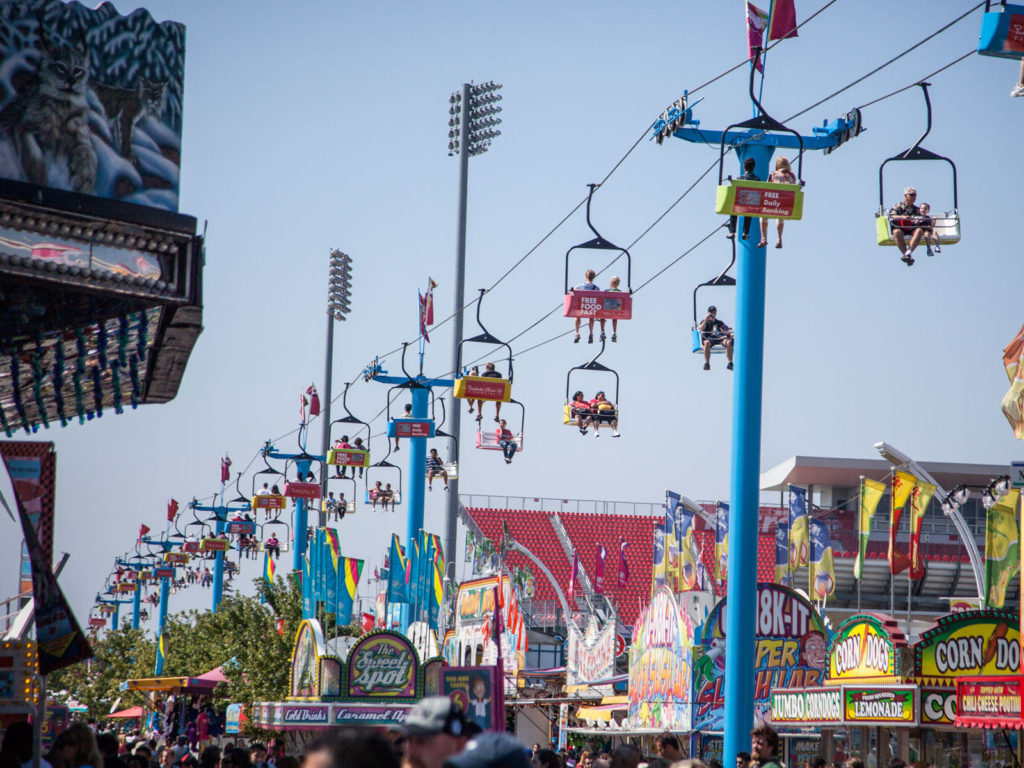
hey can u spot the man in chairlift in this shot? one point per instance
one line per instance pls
(406, 415)
(603, 411)
(905, 213)
(713, 331)
(435, 467)
(589, 285)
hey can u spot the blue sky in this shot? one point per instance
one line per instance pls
(311, 126)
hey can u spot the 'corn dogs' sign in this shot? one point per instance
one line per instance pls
(969, 643)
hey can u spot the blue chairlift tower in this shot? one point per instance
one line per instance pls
(755, 138)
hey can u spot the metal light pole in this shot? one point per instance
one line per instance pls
(473, 124)
(338, 296)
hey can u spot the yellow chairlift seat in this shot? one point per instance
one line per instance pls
(489, 388)
(946, 227)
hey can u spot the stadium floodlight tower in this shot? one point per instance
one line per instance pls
(338, 305)
(472, 125)
(756, 139)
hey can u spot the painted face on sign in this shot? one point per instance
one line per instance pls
(813, 650)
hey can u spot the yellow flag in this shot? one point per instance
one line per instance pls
(902, 484)
(871, 492)
(1013, 400)
(1002, 548)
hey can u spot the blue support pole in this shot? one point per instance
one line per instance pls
(417, 488)
(116, 616)
(746, 467)
(136, 608)
(218, 561)
(165, 593)
(301, 521)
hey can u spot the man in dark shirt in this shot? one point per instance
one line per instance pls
(906, 209)
(747, 175)
(713, 331)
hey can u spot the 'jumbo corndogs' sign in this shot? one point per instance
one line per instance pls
(969, 643)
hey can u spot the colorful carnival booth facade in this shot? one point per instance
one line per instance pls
(884, 697)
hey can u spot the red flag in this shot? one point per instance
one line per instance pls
(143, 530)
(367, 622)
(783, 21)
(499, 693)
(623, 565)
(172, 510)
(602, 553)
(314, 401)
(225, 469)
(427, 309)
(757, 22)
(574, 575)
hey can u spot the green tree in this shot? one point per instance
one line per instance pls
(118, 656)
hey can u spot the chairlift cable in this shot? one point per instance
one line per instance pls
(897, 57)
(926, 77)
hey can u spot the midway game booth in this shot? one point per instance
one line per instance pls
(376, 684)
(884, 698)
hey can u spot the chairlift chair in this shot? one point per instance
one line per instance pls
(488, 440)
(382, 470)
(489, 388)
(599, 305)
(592, 366)
(723, 280)
(947, 225)
(1002, 31)
(451, 467)
(348, 457)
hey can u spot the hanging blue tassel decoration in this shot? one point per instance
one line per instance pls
(115, 383)
(136, 384)
(97, 392)
(37, 384)
(81, 351)
(142, 333)
(58, 382)
(76, 379)
(101, 343)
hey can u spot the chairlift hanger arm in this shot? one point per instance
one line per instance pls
(484, 338)
(917, 152)
(598, 243)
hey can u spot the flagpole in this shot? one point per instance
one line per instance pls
(892, 542)
(860, 501)
(764, 55)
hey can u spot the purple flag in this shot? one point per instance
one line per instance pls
(602, 553)
(623, 565)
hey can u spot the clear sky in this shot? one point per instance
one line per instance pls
(318, 125)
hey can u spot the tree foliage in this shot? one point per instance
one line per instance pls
(242, 637)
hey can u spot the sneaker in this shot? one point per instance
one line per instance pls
(471, 409)
(908, 259)
(707, 366)
(928, 250)
(615, 337)
(1018, 91)
(938, 248)
(731, 235)
(590, 339)
(729, 366)
(577, 339)
(602, 336)
(479, 418)
(446, 487)
(597, 434)
(430, 488)
(508, 461)
(583, 430)
(615, 433)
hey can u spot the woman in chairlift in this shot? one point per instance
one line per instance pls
(603, 412)
(579, 409)
(342, 444)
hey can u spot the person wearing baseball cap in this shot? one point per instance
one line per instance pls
(435, 729)
(491, 750)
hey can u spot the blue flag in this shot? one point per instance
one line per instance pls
(798, 531)
(722, 544)
(308, 611)
(398, 587)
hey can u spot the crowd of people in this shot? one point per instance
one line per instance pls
(436, 734)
